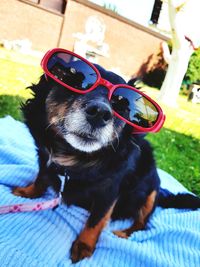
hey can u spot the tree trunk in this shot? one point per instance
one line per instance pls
(175, 74)
(179, 59)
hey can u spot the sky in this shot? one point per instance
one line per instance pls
(140, 11)
(136, 10)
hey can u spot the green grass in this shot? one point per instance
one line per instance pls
(176, 146)
(178, 154)
(17, 72)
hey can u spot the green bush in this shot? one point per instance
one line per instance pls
(155, 77)
(156, 73)
(193, 71)
(153, 71)
(10, 105)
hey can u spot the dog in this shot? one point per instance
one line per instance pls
(112, 172)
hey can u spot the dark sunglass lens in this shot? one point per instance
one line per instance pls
(134, 107)
(72, 71)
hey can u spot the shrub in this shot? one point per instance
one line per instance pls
(193, 72)
(155, 72)
(10, 105)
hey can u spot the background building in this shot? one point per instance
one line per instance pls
(97, 33)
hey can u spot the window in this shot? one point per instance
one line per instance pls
(156, 11)
(55, 5)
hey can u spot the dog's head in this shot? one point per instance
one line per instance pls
(85, 121)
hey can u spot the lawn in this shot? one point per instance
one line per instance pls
(176, 146)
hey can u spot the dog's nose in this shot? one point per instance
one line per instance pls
(98, 114)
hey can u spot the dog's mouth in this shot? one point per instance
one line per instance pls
(85, 136)
(84, 142)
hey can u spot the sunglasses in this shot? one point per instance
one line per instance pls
(80, 76)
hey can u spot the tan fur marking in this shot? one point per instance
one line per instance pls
(62, 110)
(91, 234)
(139, 223)
(76, 105)
(86, 241)
(65, 160)
(55, 111)
(69, 160)
(53, 120)
(30, 191)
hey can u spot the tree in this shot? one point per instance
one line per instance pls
(193, 71)
(184, 32)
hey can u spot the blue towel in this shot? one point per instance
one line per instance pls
(44, 238)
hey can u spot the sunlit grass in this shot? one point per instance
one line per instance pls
(185, 118)
(177, 145)
(17, 72)
(178, 154)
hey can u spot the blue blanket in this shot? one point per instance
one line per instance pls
(44, 238)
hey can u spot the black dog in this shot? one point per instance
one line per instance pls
(112, 172)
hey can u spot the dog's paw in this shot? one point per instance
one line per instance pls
(122, 234)
(80, 250)
(28, 192)
(20, 191)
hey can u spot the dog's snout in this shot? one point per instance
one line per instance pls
(98, 114)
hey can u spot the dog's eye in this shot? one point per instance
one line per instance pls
(120, 105)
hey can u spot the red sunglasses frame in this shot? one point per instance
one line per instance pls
(111, 88)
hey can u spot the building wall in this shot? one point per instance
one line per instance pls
(19, 20)
(130, 44)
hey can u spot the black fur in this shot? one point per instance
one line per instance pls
(124, 170)
(182, 200)
(127, 171)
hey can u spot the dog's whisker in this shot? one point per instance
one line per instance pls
(49, 125)
(117, 136)
(55, 122)
(132, 141)
(111, 143)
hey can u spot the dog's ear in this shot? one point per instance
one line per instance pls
(134, 82)
(34, 108)
(43, 86)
